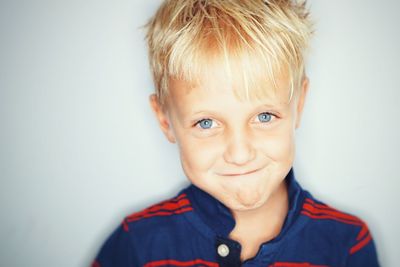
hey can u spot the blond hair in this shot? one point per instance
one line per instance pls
(261, 39)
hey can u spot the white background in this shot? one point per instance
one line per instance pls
(80, 148)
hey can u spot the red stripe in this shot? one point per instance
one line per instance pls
(161, 205)
(294, 264)
(95, 264)
(319, 211)
(330, 211)
(363, 232)
(125, 225)
(183, 195)
(169, 206)
(326, 207)
(329, 208)
(180, 263)
(161, 213)
(329, 217)
(309, 200)
(360, 244)
(168, 201)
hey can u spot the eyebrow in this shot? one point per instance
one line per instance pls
(266, 107)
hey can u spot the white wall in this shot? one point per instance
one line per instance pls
(80, 149)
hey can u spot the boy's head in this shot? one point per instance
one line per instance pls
(230, 88)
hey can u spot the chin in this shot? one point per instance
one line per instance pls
(240, 205)
(243, 208)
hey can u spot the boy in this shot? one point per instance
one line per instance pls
(230, 90)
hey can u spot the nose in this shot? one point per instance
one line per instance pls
(239, 149)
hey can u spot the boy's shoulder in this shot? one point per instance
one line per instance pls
(146, 234)
(160, 218)
(328, 222)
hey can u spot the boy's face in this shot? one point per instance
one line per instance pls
(237, 151)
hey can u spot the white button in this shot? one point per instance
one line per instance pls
(223, 250)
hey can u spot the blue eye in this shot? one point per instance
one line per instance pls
(264, 117)
(205, 123)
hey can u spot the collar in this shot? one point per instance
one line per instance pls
(217, 220)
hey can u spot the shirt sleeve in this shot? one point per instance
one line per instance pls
(117, 251)
(362, 252)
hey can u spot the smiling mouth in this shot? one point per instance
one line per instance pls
(242, 173)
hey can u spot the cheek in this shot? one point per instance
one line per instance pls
(198, 155)
(279, 145)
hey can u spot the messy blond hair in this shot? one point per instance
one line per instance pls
(261, 39)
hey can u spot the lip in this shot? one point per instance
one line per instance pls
(240, 173)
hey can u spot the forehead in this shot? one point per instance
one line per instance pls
(218, 92)
(217, 98)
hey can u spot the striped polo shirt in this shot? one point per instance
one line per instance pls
(192, 229)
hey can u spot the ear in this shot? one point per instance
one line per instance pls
(301, 99)
(162, 117)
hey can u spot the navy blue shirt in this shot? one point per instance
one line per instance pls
(192, 229)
